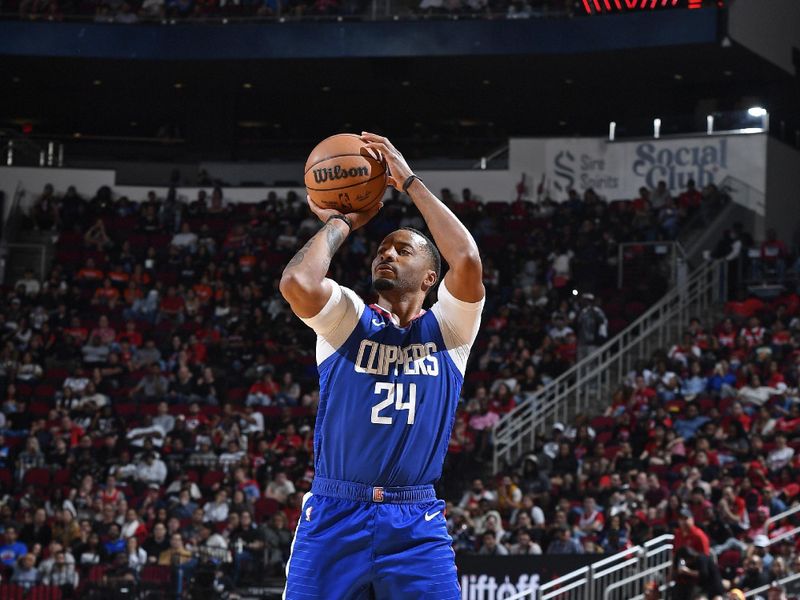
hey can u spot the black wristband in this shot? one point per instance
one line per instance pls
(408, 182)
(344, 218)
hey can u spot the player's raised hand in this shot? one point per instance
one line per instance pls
(399, 170)
(358, 219)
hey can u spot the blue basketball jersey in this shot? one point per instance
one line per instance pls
(388, 394)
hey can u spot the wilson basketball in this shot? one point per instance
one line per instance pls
(342, 174)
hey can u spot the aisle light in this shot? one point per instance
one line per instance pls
(656, 128)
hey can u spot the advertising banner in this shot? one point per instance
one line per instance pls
(617, 170)
(499, 577)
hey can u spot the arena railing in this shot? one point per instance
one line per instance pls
(587, 383)
(761, 591)
(781, 516)
(658, 569)
(671, 254)
(622, 576)
(615, 572)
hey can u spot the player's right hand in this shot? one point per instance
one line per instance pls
(358, 219)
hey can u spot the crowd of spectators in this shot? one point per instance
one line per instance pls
(150, 11)
(158, 396)
(703, 441)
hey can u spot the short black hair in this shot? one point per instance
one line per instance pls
(430, 249)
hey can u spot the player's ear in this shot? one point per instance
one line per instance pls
(429, 281)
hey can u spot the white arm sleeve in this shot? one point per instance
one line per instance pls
(336, 321)
(459, 322)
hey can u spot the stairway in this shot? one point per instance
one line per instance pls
(586, 385)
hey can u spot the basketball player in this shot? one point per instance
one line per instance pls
(390, 377)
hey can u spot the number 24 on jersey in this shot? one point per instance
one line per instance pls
(394, 393)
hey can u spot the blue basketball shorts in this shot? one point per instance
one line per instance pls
(357, 542)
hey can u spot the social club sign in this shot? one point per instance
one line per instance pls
(617, 170)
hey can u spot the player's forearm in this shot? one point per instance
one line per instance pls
(454, 241)
(309, 266)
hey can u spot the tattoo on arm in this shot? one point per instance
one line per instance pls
(333, 237)
(297, 259)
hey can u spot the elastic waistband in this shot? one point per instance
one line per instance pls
(359, 492)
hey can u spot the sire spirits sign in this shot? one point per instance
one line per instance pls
(617, 170)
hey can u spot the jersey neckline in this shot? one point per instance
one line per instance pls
(388, 315)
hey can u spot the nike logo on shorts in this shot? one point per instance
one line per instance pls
(429, 517)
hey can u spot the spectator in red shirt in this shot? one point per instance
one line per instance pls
(691, 198)
(689, 535)
(130, 335)
(106, 295)
(172, 304)
(90, 272)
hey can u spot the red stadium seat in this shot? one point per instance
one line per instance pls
(237, 395)
(211, 478)
(44, 592)
(126, 409)
(264, 508)
(62, 477)
(603, 437)
(156, 575)
(39, 408)
(602, 423)
(11, 591)
(38, 477)
(6, 478)
(44, 391)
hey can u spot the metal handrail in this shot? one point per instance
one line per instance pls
(590, 582)
(760, 590)
(676, 251)
(743, 193)
(586, 383)
(560, 582)
(633, 578)
(12, 212)
(785, 535)
(779, 517)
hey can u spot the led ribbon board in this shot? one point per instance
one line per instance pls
(594, 7)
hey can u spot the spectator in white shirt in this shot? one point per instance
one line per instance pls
(61, 572)
(185, 240)
(137, 557)
(560, 329)
(280, 488)
(163, 419)
(77, 382)
(781, 455)
(155, 433)
(233, 456)
(152, 470)
(251, 421)
(29, 283)
(217, 511)
(472, 497)
(525, 545)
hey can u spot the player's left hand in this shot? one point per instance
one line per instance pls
(399, 170)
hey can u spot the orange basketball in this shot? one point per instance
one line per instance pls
(342, 174)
